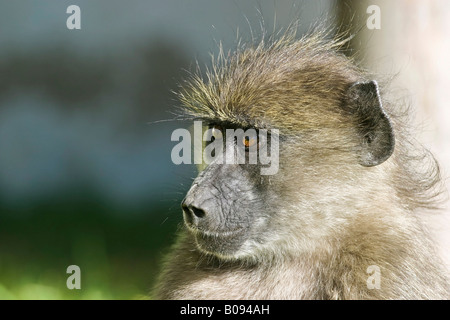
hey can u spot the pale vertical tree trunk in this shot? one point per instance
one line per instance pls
(413, 45)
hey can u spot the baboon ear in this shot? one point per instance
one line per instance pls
(374, 127)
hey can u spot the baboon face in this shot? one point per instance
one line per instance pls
(229, 205)
(332, 130)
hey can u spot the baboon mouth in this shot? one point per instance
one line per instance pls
(220, 243)
(216, 234)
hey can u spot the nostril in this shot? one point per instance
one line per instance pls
(191, 212)
(198, 212)
(185, 208)
(187, 214)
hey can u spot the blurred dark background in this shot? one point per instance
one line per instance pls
(86, 176)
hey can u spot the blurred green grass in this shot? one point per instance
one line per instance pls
(119, 253)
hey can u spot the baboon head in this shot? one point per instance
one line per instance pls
(333, 135)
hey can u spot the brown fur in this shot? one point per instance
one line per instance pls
(334, 217)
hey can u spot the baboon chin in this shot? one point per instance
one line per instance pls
(346, 199)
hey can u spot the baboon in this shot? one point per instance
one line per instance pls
(347, 197)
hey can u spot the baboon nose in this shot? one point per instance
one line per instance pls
(192, 213)
(199, 213)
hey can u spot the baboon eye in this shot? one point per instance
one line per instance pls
(249, 141)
